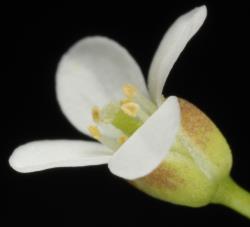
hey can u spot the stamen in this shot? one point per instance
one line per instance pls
(132, 94)
(107, 140)
(109, 130)
(94, 132)
(110, 142)
(142, 115)
(109, 111)
(129, 90)
(122, 139)
(130, 108)
(145, 103)
(118, 120)
(96, 114)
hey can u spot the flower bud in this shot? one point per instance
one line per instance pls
(198, 160)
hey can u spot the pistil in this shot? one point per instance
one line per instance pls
(118, 120)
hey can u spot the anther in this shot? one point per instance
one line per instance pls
(94, 132)
(129, 90)
(122, 139)
(130, 108)
(96, 114)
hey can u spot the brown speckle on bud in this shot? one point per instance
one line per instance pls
(196, 124)
(163, 177)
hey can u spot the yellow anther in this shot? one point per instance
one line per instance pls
(94, 132)
(129, 90)
(122, 139)
(130, 108)
(96, 114)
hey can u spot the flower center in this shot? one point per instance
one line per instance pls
(118, 120)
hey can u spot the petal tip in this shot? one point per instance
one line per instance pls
(20, 159)
(202, 10)
(11, 162)
(171, 46)
(199, 13)
(14, 162)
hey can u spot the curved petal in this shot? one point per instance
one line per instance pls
(171, 46)
(149, 145)
(41, 155)
(92, 73)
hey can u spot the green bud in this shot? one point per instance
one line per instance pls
(196, 169)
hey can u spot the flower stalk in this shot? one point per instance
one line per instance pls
(231, 195)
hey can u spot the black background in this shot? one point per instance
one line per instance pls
(212, 73)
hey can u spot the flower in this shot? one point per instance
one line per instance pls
(91, 75)
(167, 147)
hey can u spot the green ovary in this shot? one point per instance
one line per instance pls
(126, 123)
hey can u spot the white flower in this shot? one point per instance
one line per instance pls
(89, 78)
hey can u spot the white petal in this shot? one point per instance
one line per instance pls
(149, 145)
(93, 72)
(41, 155)
(171, 46)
